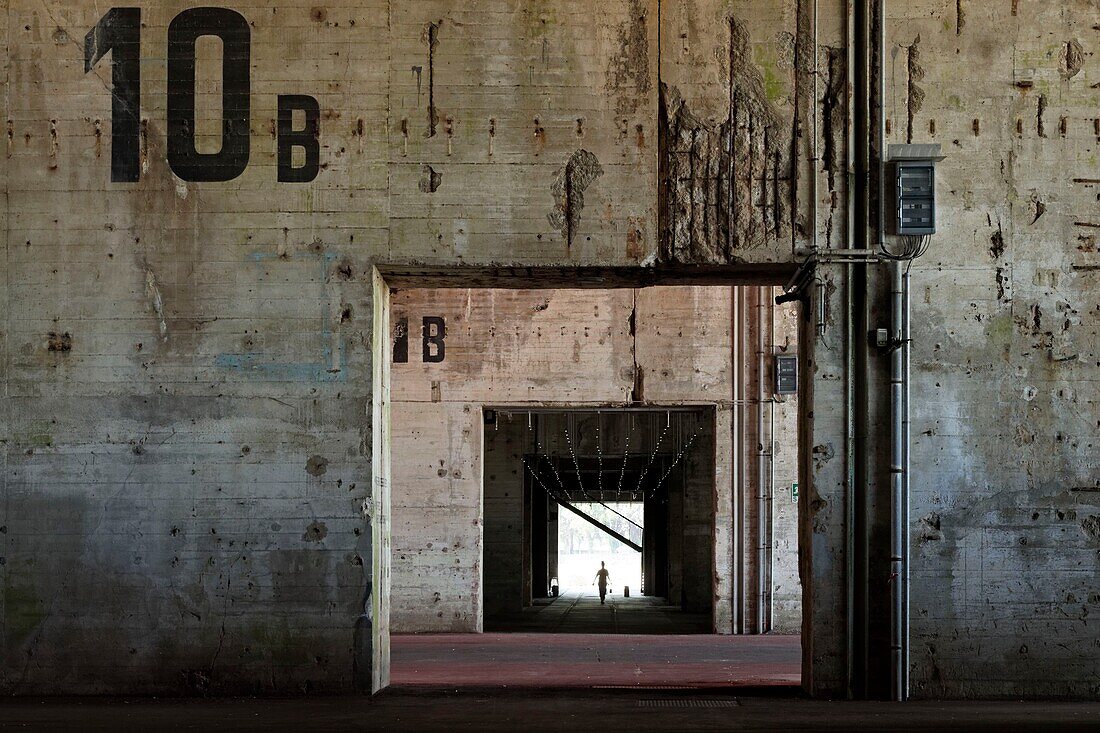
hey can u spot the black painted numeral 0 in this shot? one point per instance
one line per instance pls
(119, 32)
(183, 32)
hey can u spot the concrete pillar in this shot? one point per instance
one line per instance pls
(539, 543)
(552, 541)
(824, 562)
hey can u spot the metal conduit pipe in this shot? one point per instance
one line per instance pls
(762, 578)
(899, 400)
(853, 578)
(771, 470)
(813, 139)
(742, 450)
(906, 338)
(735, 461)
(899, 482)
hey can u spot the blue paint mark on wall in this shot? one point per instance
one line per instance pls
(330, 364)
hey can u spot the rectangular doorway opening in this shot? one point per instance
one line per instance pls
(623, 496)
(645, 416)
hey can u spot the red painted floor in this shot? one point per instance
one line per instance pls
(594, 660)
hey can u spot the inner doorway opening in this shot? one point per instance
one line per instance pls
(623, 498)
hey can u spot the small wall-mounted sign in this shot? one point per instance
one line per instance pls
(794, 493)
(786, 374)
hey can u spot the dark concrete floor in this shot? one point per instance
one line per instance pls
(578, 611)
(588, 660)
(448, 710)
(563, 682)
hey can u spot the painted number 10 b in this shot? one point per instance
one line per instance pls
(119, 32)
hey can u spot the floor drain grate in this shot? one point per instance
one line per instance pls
(645, 687)
(688, 703)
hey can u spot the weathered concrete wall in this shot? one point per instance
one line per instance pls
(185, 363)
(523, 132)
(786, 586)
(1006, 333)
(506, 443)
(728, 118)
(187, 370)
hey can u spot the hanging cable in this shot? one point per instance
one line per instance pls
(626, 451)
(599, 455)
(675, 461)
(580, 483)
(913, 247)
(652, 457)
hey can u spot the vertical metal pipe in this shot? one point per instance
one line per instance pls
(852, 376)
(899, 399)
(880, 110)
(814, 162)
(771, 468)
(899, 483)
(761, 468)
(743, 453)
(736, 428)
(771, 519)
(906, 338)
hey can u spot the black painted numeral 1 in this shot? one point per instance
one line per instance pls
(401, 341)
(183, 32)
(119, 32)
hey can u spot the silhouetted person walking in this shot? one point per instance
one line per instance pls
(602, 579)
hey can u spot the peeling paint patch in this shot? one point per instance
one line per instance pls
(315, 532)
(1039, 208)
(59, 342)
(1091, 526)
(430, 181)
(822, 454)
(1071, 59)
(317, 465)
(997, 243)
(635, 239)
(1002, 284)
(570, 183)
(928, 528)
(915, 93)
(628, 70)
(157, 301)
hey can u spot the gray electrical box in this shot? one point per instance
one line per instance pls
(786, 374)
(914, 168)
(916, 184)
